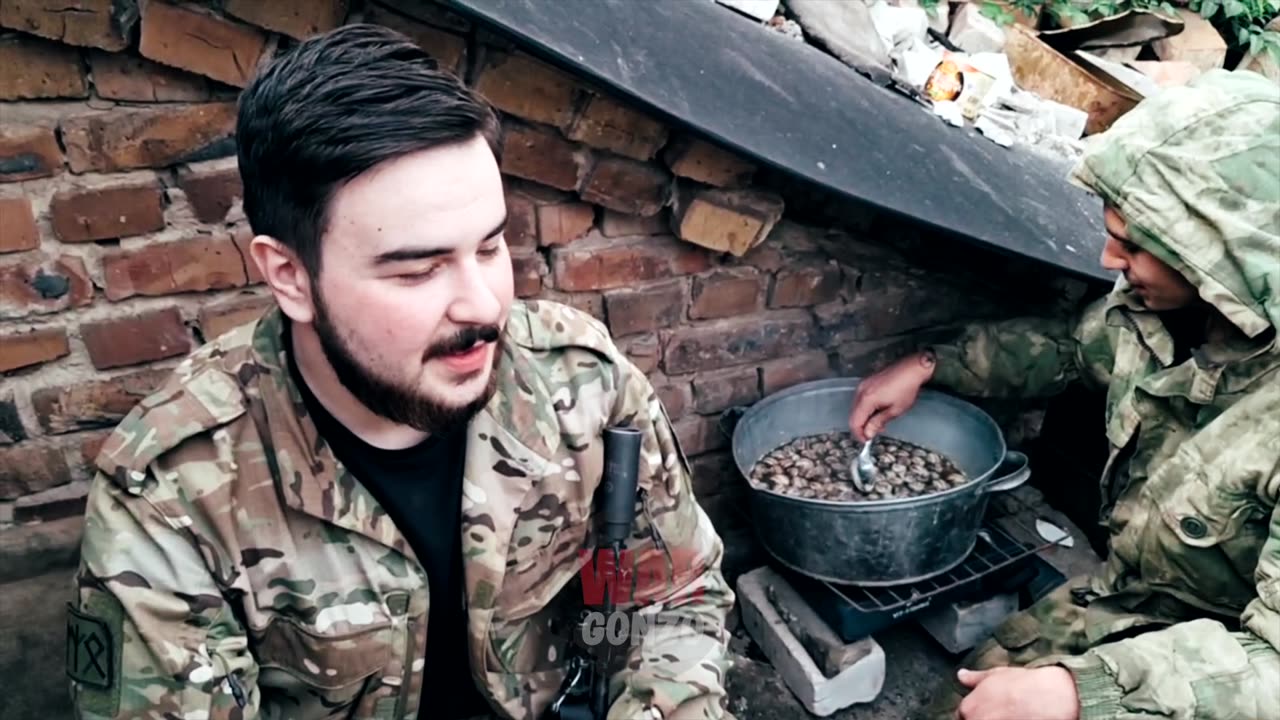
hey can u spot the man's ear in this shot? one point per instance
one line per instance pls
(285, 274)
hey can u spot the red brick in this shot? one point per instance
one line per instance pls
(644, 351)
(243, 238)
(28, 152)
(699, 434)
(530, 89)
(732, 221)
(93, 404)
(432, 13)
(17, 225)
(645, 309)
(675, 397)
(211, 192)
(152, 137)
(11, 430)
(296, 18)
(91, 445)
(561, 224)
(448, 49)
(860, 359)
(136, 338)
(105, 24)
(220, 319)
(717, 391)
(527, 271)
(699, 160)
(627, 186)
(207, 263)
(44, 286)
(226, 51)
(596, 263)
(542, 156)
(56, 503)
(609, 124)
(726, 293)
(589, 303)
(29, 468)
(37, 69)
(781, 374)
(117, 76)
(737, 341)
(616, 224)
(806, 286)
(81, 215)
(24, 349)
(522, 222)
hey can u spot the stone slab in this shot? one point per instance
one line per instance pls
(961, 626)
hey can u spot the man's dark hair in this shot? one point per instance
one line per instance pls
(333, 107)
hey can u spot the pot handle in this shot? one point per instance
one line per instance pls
(1020, 472)
(728, 420)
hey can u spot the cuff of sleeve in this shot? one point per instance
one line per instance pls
(1096, 686)
(949, 369)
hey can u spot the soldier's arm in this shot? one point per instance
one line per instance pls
(149, 635)
(680, 663)
(1027, 357)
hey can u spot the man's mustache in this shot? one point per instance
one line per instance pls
(464, 340)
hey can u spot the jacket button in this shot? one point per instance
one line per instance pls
(1194, 527)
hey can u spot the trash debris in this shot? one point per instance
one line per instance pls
(847, 31)
(974, 32)
(759, 9)
(1199, 43)
(1054, 534)
(1166, 73)
(787, 27)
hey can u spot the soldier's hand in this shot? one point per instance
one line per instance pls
(1008, 693)
(888, 393)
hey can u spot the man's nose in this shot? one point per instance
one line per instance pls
(1114, 257)
(474, 302)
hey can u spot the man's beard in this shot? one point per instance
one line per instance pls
(404, 405)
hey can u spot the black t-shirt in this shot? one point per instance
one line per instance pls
(421, 489)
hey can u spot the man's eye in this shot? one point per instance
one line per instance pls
(416, 276)
(491, 249)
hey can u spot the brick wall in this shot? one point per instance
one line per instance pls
(124, 243)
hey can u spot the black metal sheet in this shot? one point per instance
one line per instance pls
(792, 106)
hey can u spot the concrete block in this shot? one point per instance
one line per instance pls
(860, 682)
(961, 626)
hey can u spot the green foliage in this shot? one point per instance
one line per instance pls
(1241, 23)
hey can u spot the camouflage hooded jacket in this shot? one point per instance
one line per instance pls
(233, 569)
(1192, 581)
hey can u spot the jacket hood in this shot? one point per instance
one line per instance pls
(1195, 172)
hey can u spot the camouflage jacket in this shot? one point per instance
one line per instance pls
(1190, 487)
(233, 569)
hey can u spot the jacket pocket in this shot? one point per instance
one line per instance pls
(320, 673)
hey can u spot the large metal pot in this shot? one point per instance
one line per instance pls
(882, 542)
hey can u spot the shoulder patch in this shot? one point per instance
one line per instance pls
(92, 657)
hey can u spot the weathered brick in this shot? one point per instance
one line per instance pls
(609, 124)
(806, 286)
(11, 430)
(627, 185)
(542, 156)
(82, 215)
(860, 359)
(211, 193)
(91, 444)
(93, 404)
(704, 162)
(725, 293)
(37, 69)
(598, 263)
(43, 286)
(732, 221)
(448, 49)
(136, 338)
(29, 468)
(527, 270)
(28, 152)
(242, 237)
(151, 137)
(522, 222)
(616, 224)
(717, 391)
(56, 503)
(218, 319)
(781, 374)
(432, 13)
(528, 88)
(296, 18)
(644, 351)
(892, 302)
(645, 309)
(737, 341)
(675, 397)
(117, 76)
(105, 24)
(591, 303)
(18, 224)
(699, 434)
(227, 51)
(205, 263)
(24, 349)
(561, 224)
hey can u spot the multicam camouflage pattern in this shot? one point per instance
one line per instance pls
(1186, 618)
(238, 559)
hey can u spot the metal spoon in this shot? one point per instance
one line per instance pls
(863, 468)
